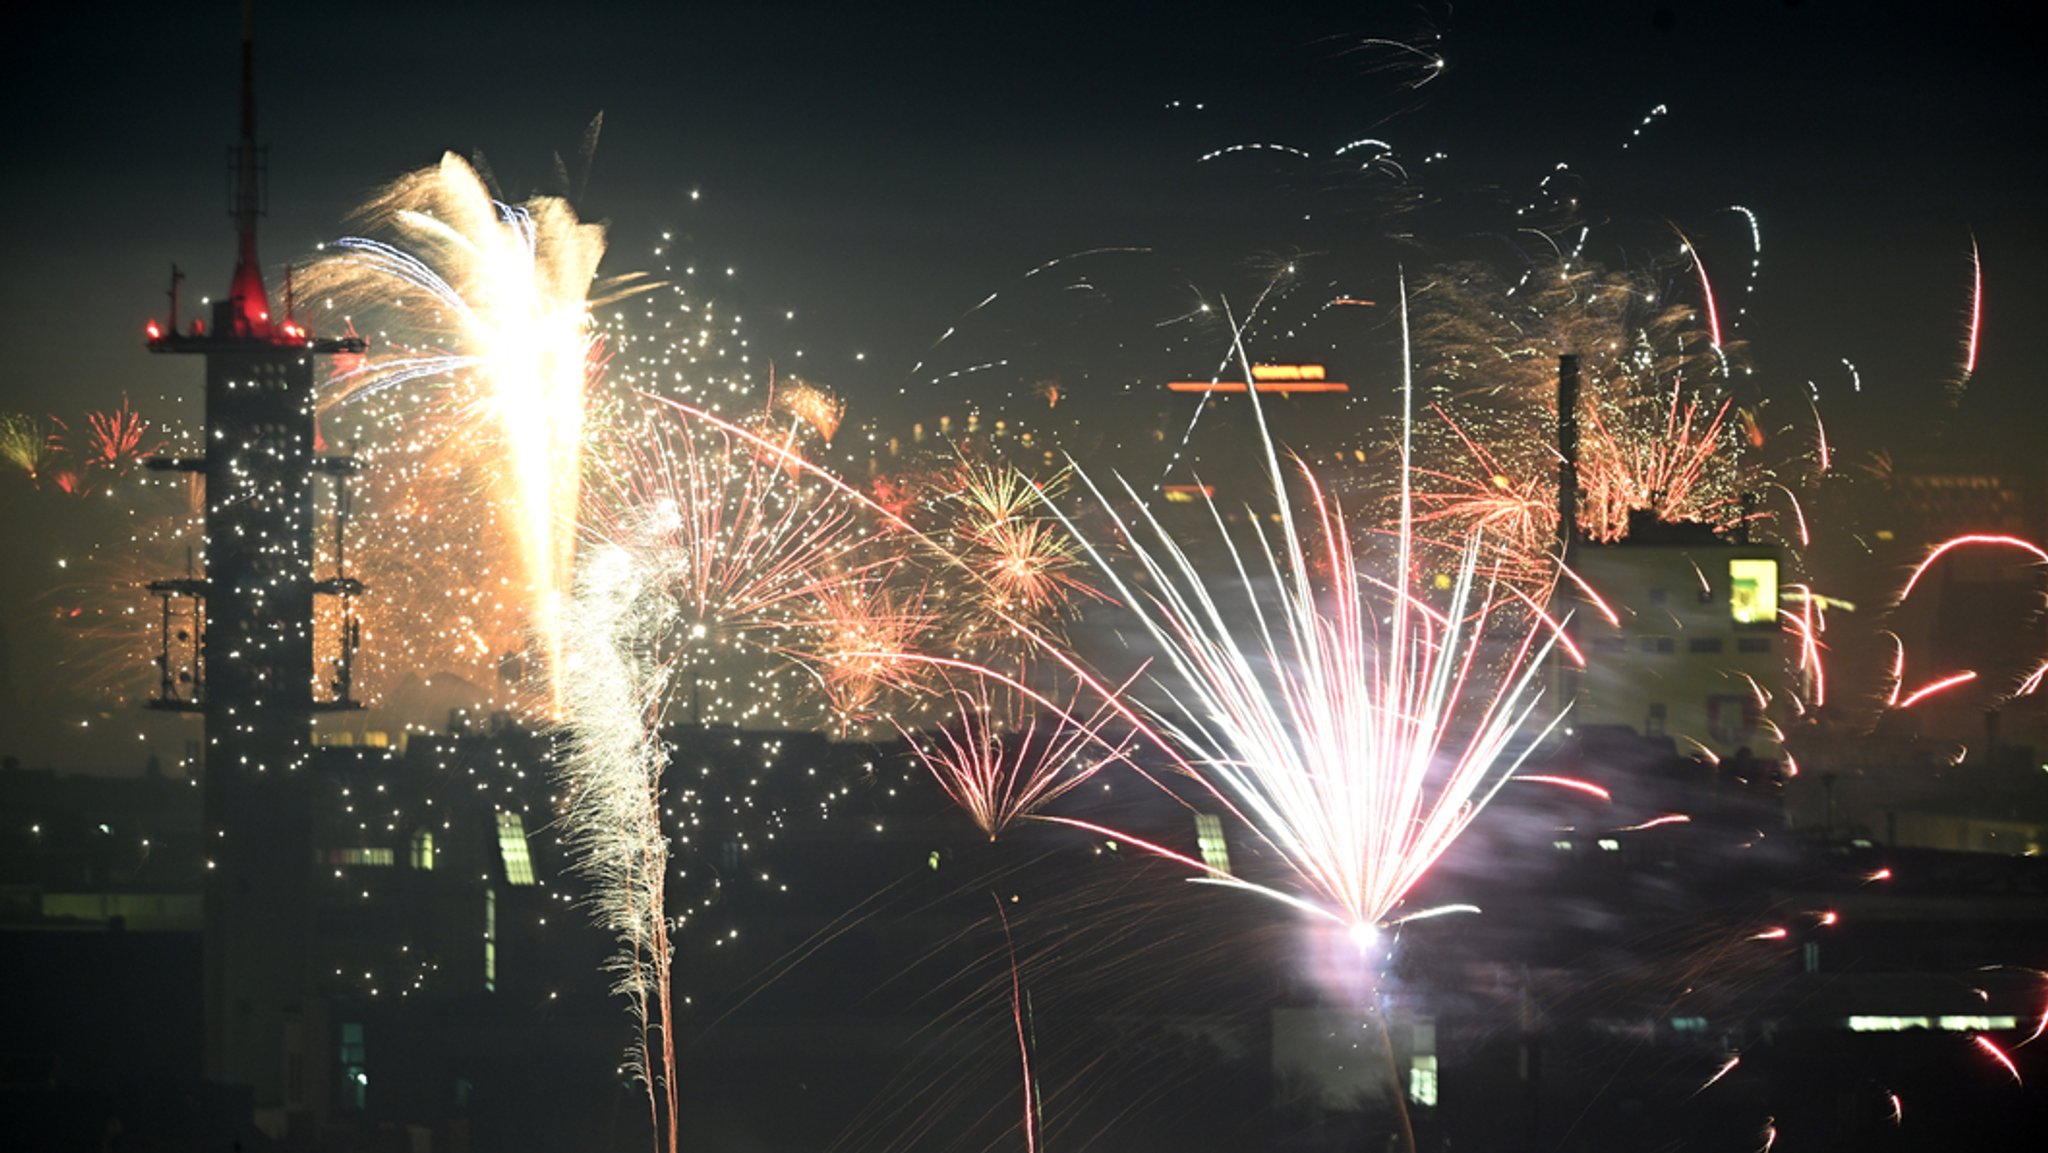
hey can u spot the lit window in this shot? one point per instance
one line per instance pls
(490, 940)
(512, 848)
(1968, 1024)
(1688, 1024)
(355, 1075)
(1610, 845)
(1209, 839)
(1887, 1024)
(1422, 1081)
(364, 858)
(1753, 591)
(423, 850)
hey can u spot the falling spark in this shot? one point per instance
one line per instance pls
(1648, 119)
(1968, 540)
(1286, 148)
(1998, 1055)
(1976, 311)
(1655, 822)
(1573, 783)
(1928, 690)
(1706, 289)
(1726, 1068)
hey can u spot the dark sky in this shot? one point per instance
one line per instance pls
(879, 169)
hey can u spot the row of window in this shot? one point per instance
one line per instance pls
(512, 852)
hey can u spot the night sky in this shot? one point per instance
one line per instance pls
(878, 171)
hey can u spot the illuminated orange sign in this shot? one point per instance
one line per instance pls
(1280, 378)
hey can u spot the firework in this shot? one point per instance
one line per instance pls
(496, 301)
(114, 438)
(2025, 685)
(1000, 777)
(1357, 729)
(809, 403)
(858, 642)
(615, 693)
(1651, 443)
(28, 443)
(1515, 515)
(1024, 566)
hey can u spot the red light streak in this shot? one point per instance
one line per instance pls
(1706, 290)
(1654, 822)
(1586, 787)
(1998, 1055)
(1976, 308)
(1953, 543)
(1947, 682)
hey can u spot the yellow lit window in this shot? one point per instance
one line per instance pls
(512, 847)
(1422, 1080)
(361, 858)
(423, 849)
(1753, 591)
(1886, 1024)
(1209, 839)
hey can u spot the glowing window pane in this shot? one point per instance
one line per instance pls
(363, 858)
(1887, 1024)
(512, 848)
(423, 849)
(490, 940)
(1422, 1081)
(1976, 1024)
(1209, 839)
(1753, 591)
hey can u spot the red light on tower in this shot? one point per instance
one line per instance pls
(153, 331)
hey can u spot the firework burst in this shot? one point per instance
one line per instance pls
(1354, 726)
(1000, 773)
(494, 303)
(28, 443)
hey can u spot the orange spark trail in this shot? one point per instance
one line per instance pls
(1586, 787)
(1947, 682)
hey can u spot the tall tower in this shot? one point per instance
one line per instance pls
(251, 671)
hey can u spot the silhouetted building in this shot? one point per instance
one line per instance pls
(252, 676)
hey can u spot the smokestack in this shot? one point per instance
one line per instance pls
(1567, 452)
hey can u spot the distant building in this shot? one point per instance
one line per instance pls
(1695, 652)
